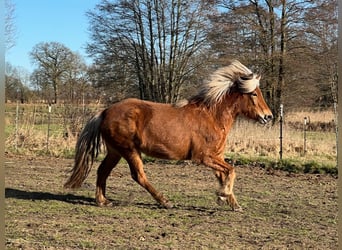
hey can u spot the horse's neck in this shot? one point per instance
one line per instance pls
(227, 112)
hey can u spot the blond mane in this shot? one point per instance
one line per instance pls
(221, 82)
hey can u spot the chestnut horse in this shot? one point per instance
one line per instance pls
(195, 129)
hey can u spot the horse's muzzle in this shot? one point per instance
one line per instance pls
(265, 119)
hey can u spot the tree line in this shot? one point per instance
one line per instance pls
(161, 50)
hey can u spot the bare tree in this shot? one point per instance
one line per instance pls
(42, 86)
(156, 42)
(75, 81)
(53, 61)
(322, 37)
(16, 84)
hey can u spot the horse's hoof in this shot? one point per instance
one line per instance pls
(237, 209)
(106, 203)
(221, 200)
(167, 205)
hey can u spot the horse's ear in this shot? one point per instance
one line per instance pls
(258, 77)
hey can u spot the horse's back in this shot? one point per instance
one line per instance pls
(136, 111)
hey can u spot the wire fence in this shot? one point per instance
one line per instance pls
(43, 125)
(38, 128)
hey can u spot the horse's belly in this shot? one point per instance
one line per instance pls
(168, 150)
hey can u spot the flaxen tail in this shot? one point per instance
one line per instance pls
(87, 149)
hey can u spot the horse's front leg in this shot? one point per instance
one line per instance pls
(138, 174)
(225, 174)
(225, 194)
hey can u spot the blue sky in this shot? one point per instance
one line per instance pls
(36, 21)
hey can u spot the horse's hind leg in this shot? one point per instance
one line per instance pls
(107, 165)
(138, 174)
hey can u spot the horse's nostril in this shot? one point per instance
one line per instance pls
(268, 117)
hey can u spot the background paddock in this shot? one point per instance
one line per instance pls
(31, 129)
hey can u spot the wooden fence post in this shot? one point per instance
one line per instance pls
(304, 131)
(281, 132)
(16, 126)
(48, 129)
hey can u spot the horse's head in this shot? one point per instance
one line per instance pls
(237, 85)
(253, 104)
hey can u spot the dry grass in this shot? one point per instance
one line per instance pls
(35, 142)
(251, 140)
(321, 116)
(28, 131)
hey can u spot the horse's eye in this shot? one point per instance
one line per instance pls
(254, 94)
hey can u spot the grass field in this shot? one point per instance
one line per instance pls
(281, 210)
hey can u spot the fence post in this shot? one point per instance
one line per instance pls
(304, 131)
(281, 133)
(48, 129)
(336, 127)
(16, 125)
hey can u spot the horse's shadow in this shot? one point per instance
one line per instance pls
(83, 200)
(32, 195)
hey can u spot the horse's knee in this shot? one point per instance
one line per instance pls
(223, 177)
(220, 176)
